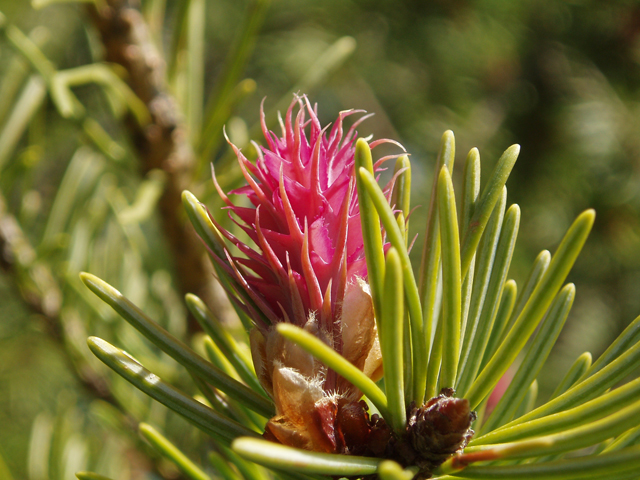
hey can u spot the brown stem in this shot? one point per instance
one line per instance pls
(41, 292)
(163, 143)
(36, 284)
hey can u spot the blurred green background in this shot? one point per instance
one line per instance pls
(561, 78)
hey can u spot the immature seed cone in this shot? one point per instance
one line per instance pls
(307, 268)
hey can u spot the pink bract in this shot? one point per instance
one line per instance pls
(306, 220)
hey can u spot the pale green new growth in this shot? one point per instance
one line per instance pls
(200, 415)
(371, 235)
(390, 470)
(391, 340)
(175, 348)
(461, 323)
(451, 279)
(372, 191)
(278, 456)
(170, 451)
(430, 267)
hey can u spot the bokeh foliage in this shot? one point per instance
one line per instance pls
(559, 78)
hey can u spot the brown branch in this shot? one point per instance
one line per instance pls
(164, 142)
(36, 284)
(38, 287)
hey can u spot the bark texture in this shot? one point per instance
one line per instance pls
(163, 143)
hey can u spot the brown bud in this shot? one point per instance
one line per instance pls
(360, 433)
(440, 428)
(353, 427)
